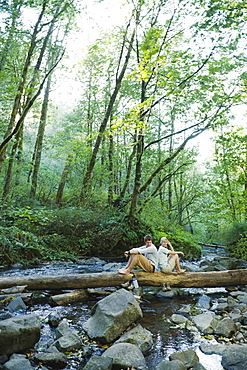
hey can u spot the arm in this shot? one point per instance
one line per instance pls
(144, 249)
(176, 252)
(170, 245)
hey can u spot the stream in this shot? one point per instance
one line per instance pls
(167, 338)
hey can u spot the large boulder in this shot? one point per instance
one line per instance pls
(139, 336)
(126, 355)
(226, 328)
(170, 365)
(112, 315)
(99, 363)
(210, 349)
(68, 342)
(67, 338)
(205, 322)
(17, 362)
(188, 357)
(19, 333)
(56, 360)
(234, 357)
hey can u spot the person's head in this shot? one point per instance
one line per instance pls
(163, 240)
(148, 239)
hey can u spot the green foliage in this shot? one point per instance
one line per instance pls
(30, 219)
(237, 240)
(182, 241)
(239, 250)
(18, 246)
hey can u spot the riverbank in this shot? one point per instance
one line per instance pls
(158, 309)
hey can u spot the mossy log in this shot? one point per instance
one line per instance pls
(110, 279)
(73, 296)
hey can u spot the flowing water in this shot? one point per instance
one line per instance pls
(168, 338)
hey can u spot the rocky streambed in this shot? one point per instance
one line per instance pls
(116, 329)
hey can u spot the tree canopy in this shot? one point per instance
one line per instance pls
(146, 88)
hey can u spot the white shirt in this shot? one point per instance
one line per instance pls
(163, 254)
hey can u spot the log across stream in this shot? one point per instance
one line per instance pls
(110, 279)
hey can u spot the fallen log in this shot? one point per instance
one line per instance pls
(14, 289)
(212, 245)
(26, 297)
(110, 279)
(64, 298)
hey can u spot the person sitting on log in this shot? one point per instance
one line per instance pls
(145, 257)
(168, 260)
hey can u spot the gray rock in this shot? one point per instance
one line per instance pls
(170, 365)
(68, 342)
(236, 317)
(234, 357)
(112, 315)
(243, 298)
(237, 293)
(190, 267)
(92, 261)
(232, 303)
(17, 363)
(112, 266)
(210, 349)
(245, 318)
(188, 357)
(16, 305)
(178, 319)
(185, 309)
(139, 336)
(54, 319)
(3, 359)
(205, 322)
(222, 307)
(239, 337)
(219, 267)
(198, 366)
(56, 360)
(226, 328)
(228, 263)
(99, 363)
(62, 329)
(204, 302)
(19, 333)
(170, 293)
(206, 268)
(126, 355)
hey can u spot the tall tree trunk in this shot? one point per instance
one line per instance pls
(119, 201)
(9, 173)
(170, 182)
(138, 166)
(119, 78)
(39, 140)
(22, 83)
(111, 171)
(63, 180)
(12, 29)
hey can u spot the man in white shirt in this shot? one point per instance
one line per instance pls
(145, 257)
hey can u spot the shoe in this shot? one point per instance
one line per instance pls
(131, 286)
(163, 287)
(125, 285)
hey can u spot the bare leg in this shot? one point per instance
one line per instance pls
(177, 264)
(131, 263)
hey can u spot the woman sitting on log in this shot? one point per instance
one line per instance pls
(145, 257)
(168, 260)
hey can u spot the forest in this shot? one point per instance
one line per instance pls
(119, 157)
